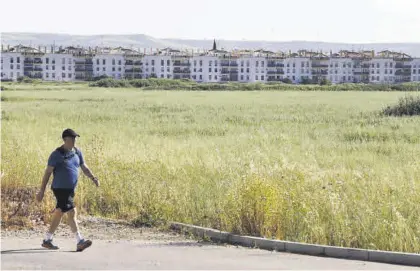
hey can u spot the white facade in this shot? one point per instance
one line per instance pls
(11, 66)
(112, 65)
(340, 70)
(415, 70)
(74, 64)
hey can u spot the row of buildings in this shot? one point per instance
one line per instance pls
(81, 64)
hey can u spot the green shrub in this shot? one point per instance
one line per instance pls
(407, 106)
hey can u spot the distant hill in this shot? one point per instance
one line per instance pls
(140, 41)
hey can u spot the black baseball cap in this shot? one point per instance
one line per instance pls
(69, 132)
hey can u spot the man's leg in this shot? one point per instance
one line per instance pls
(56, 219)
(72, 220)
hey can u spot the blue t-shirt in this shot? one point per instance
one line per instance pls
(66, 168)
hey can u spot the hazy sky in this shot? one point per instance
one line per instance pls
(352, 21)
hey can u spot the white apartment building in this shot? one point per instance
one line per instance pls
(212, 66)
(415, 72)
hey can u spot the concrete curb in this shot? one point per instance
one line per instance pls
(300, 248)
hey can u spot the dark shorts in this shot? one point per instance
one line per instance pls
(65, 199)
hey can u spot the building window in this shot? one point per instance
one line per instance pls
(377, 78)
(210, 63)
(153, 62)
(113, 61)
(63, 61)
(168, 69)
(119, 62)
(242, 77)
(262, 63)
(46, 67)
(162, 69)
(247, 70)
(262, 76)
(69, 75)
(103, 62)
(17, 59)
(53, 67)
(209, 69)
(247, 78)
(153, 69)
(47, 61)
(247, 64)
(242, 69)
(63, 68)
(11, 60)
(113, 69)
(242, 63)
(47, 75)
(69, 68)
(11, 66)
(97, 62)
(390, 65)
(256, 77)
(215, 69)
(256, 63)
(103, 69)
(201, 77)
(168, 62)
(215, 63)
(63, 75)
(162, 76)
(210, 77)
(119, 69)
(162, 62)
(195, 70)
(53, 75)
(386, 71)
(11, 74)
(97, 69)
(201, 62)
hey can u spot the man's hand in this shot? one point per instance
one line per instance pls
(95, 181)
(40, 195)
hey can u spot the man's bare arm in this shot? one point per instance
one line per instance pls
(47, 174)
(86, 170)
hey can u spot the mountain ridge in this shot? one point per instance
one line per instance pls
(144, 41)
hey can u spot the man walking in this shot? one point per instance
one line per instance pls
(64, 162)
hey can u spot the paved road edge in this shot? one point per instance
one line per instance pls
(299, 248)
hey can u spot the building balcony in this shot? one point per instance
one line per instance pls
(319, 72)
(137, 63)
(83, 69)
(182, 71)
(275, 72)
(181, 64)
(273, 65)
(403, 72)
(316, 65)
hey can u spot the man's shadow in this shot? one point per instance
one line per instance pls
(32, 251)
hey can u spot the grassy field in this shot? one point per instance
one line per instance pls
(316, 167)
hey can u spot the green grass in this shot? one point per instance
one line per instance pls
(316, 167)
